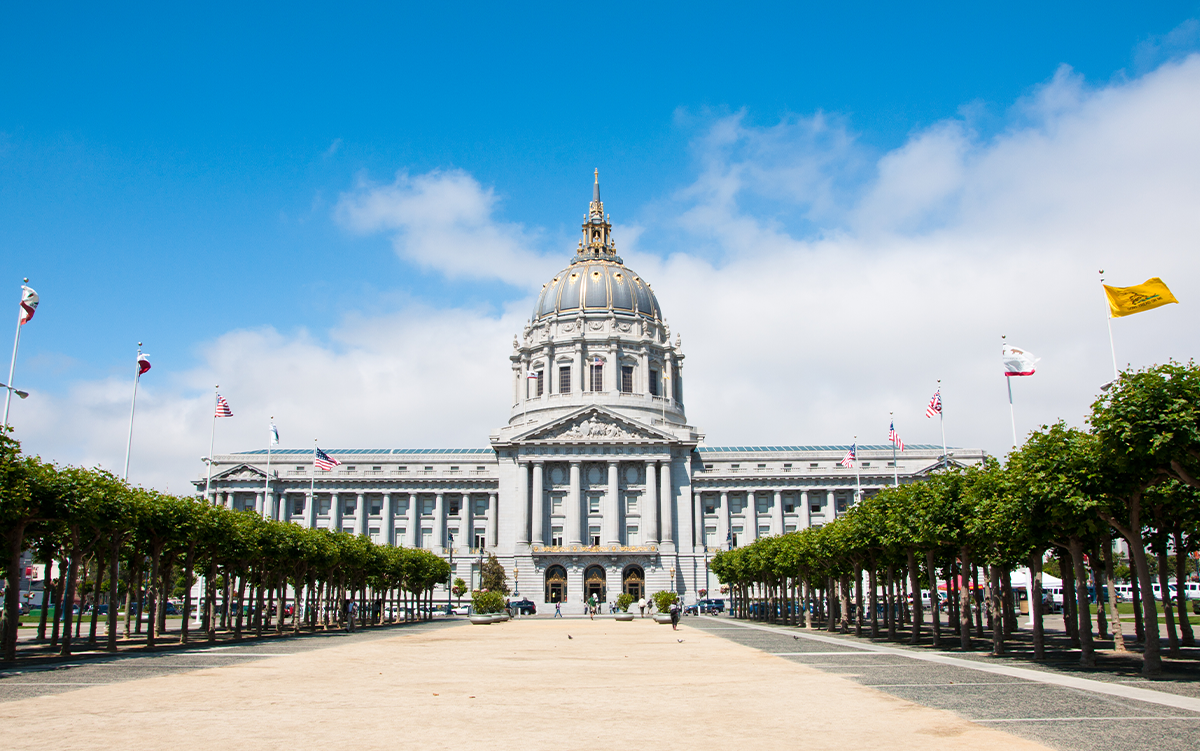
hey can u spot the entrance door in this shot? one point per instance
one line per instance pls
(593, 583)
(634, 582)
(556, 584)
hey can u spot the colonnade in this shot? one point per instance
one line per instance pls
(272, 505)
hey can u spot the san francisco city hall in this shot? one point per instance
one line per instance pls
(597, 484)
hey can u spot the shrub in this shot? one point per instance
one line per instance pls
(663, 600)
(624, 601)
(484, 602)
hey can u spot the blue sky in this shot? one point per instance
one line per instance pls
(178, 176)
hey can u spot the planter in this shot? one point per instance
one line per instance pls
(623, 617)
(480, 620)
(501, 617)
(663, 618)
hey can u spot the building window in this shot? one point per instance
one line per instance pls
(349, 506)
(790, 528)
(735, 532)
(653, 382)
(763, 505)
(597, 377)
(539, 384)
(400, 532)
(762, 466)
(789, 505)
(556, 504)
(323, 507)
(427, 507)
(787, 466)
(351, 468)
(631, 504)
(626, 379)
(300, 469)
(564, 379)
(816, 508)
(454, 507)
(813, 465)
(556, 536)
(866, 464)
(377, 507)
(426, 538)
(631, 535)
(710, 507)
(708, 467)
(374, 533)
(594, 505)
(594, 535)
(735, 466)
(764, 531)
(298, 505)
(480, 539)
(891, 464)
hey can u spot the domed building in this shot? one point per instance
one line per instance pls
(597, 485)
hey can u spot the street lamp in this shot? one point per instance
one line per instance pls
(450, 579)
(17, 391)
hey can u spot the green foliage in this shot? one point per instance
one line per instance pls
(484, 602)
(624, 600)
(460, 587)
(492, 576)
(663, 600)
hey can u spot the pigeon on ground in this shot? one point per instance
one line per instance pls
(795, 638)
(679, 640)
(570, 637)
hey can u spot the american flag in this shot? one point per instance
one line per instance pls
(851, 455)
(223, 409)
(935, 405)
(324, 461)
(894, 437)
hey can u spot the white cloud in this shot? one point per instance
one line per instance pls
(912, 275)
(442, 220)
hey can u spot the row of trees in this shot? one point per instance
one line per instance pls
(1133, 474)
(109, 537)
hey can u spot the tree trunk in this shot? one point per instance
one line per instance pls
(977, 591)
(114, 570)
(1163, 583)
(914, 575)
(873, 600)
(1087, 657)
(10, 618)
(1185, 626)
(997, 609)
(844, 603)
(1070, 616)
(1008, 606)
(935, 600)
(890, 599)
(1151, 654)
(953, 586)
(49, 597)
(1118, 633)
(69, 597)
(210, 607)
(964, 604)
(1035, 605)
(241, 607)
(152, 595)
(189, 581)
(1139, 630)
(93, 625)
(60, 595)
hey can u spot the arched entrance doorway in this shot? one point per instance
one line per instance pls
(593, 583)
(556, 584)
(634, 582)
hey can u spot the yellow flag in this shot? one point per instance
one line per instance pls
(1125, 301)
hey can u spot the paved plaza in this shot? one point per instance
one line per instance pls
(543, 683)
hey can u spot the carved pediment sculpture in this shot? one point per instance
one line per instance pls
(593, 426)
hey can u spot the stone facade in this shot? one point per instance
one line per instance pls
(597, 484)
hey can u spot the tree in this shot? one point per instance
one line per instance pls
(491, 575)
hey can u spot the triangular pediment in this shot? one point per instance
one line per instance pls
(241, 472)
(594, 425)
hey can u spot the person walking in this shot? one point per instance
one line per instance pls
(674, 611)
(591, 606)
(557, 609)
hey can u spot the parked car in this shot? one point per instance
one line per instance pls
(707, 606)
(522, 607)
(462, 609)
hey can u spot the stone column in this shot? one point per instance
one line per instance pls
(335, 512)
(270, 506)
(310, 511)
(228, 499)
(777, 513)
(523, 502)
(413, 533)
(387, 524)
(701, 531)
(360, 521)
(666, 500)
(750, 515)
(679, 470)
(493, 532)
(806, 512)
(468, 520)
(612, 518)
(831, 504)
(574, 529)
(439, 523)
(539, 504)
(723, 520)
(258, 503)
(650, 506)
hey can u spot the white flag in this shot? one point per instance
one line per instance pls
(1017, 362)
(274, 435)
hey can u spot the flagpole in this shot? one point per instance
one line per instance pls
(312, 491)
(942, 418)
(211, 442)
(857, 474)
(1111, 342)
(1011, 412)
(137, 376)
(12, 367)
(895, 467)
(266, 510)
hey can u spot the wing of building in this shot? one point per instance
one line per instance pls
(597, 484)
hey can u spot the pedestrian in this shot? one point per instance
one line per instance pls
(591, 606)
(674, 616)
(557, 609)
(642, 606)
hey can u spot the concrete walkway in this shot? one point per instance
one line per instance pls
(531, 684)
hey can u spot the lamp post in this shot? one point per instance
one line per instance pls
(450, 579)
(516, 580)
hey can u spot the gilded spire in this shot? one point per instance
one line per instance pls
(597, 232)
